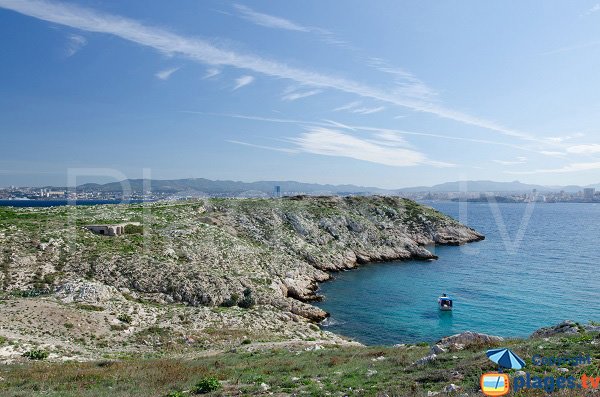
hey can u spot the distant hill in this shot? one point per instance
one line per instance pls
(193, 186)
(210, 187)
(490, 186)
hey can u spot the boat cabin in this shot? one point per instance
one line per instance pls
(445, 302)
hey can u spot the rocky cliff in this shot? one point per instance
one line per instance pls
(204, 252)
(186, 270)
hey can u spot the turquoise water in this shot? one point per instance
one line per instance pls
(499, 286)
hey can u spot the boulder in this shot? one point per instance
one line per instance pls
(466, 339)
(426, 360)
(567, 327)
(87, 292)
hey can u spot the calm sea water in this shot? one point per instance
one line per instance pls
(58, 202)
(499, 286)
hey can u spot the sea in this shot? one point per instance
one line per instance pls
(59, 202)
(538, 265)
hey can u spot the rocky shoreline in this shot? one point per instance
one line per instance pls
(192, 261)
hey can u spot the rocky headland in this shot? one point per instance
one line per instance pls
(204, 273)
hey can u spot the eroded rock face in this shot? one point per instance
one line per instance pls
(86, 292)
(204, 252)
(467, 339)
(566, 327)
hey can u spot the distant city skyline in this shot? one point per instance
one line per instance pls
(387, 94)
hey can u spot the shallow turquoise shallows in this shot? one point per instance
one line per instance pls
(500, 286)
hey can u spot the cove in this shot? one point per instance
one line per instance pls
(500, 286)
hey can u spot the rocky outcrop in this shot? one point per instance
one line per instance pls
(208, 252)
(86, 292)
(566, 327)
(468, 339)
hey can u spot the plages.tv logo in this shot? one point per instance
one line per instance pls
(497, 383)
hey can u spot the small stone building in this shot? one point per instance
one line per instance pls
(110, 230)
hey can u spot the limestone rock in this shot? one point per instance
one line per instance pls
(468, 338)
(567, 327)
(87, 292)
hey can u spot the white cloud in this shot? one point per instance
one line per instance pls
(274, 22)
(595, 8)
(574, 167)
(76, 43)
(278, 149)
(330, 123)
(243, 81)
(211, 72)
(205, 52)
(292, 96)
(165, 74)
(518, 160)
(368, 110)
(584, 149)
(329, 142)
(269, 21)
(347, 106)
(552, 153)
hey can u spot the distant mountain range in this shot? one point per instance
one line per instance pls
(211, 187)
(492, 186)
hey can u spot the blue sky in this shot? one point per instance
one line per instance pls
(386, 93)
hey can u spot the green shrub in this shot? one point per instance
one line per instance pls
(68, 325)
(248, 300)
(134, 229)
(2, 340)
(232, 301)
(125, 318)
(36, 354)
(246, 342)
(206, 385)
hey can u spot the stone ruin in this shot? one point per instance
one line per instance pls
(116, 229)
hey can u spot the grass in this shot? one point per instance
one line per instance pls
(351, 371)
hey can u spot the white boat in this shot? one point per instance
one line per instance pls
(445, 302)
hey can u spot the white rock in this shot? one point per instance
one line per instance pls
(426, 360)
(371, 372)
(451, 388)
(264, 386)
(562, 370)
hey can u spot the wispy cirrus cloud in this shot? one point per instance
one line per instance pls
(381, 150)
(165, 74)
(595, 8)
(292, 96)
(211, 72)
(584, 149)
(518, 160)
(275, 22)
(366, 110)
(347, 106)
(205, 52)
(337, 124)
(268, 21)
(573, 167)
(242, 82)
(76, 43)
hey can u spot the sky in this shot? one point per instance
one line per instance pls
(385, 93)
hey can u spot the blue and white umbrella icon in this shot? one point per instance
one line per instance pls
(505, 358)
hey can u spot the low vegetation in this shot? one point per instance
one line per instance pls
(329, 371)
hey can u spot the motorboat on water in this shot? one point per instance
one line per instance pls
(445, 302)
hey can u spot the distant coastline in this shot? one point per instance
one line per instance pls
(61, 202)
